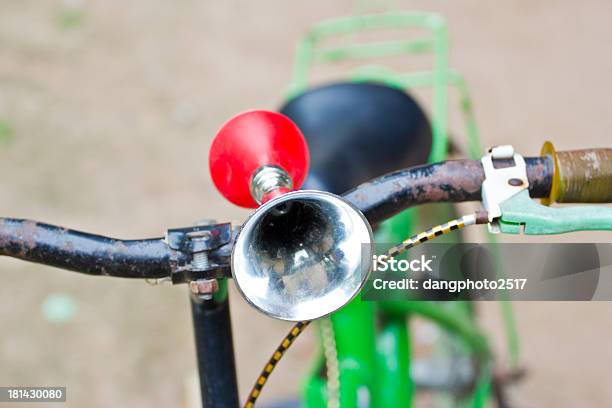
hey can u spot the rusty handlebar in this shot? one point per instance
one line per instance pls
(379, 199)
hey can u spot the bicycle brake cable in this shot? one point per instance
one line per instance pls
(295, 331)
(442, 229)
(299, 327)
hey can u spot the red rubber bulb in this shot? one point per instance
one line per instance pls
(249, 141)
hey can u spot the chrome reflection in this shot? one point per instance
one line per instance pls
(303, 255)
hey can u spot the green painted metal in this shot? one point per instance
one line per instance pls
(393, 352)
(482, 392)
(435, 42)
(355, 357)
(375, 363)
(522, 214)
(451, 319)
(372, 50)
(425, 79)
(355, 337)
(314, 391)
(393, 364)
(456, 318)
(221, 294)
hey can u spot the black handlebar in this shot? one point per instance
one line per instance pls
(379, 199)
(450, 181)
(87, 253)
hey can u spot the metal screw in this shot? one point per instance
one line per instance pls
(200, 261)
(202, 289)
(200, 258)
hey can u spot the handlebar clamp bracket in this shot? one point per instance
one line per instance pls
(501, 182)
(203, 244)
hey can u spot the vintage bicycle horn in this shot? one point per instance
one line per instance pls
(302, 254)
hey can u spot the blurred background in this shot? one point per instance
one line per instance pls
(107, 110)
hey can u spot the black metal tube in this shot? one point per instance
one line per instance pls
(450, 181)
(215, 352)
(379, 199)
(87, 253)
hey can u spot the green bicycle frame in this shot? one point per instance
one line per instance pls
(372, 340)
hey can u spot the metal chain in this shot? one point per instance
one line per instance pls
(331, 363)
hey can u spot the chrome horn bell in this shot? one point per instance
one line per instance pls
(302, 255)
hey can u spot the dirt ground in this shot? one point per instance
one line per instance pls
(107, 109)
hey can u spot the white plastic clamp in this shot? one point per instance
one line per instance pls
(501, 182)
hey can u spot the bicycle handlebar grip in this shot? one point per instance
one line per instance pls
(580, 176)
(257, 155)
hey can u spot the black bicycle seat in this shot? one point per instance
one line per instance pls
(358, 131)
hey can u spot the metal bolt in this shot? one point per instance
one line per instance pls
(204, 288)
(200, 261)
